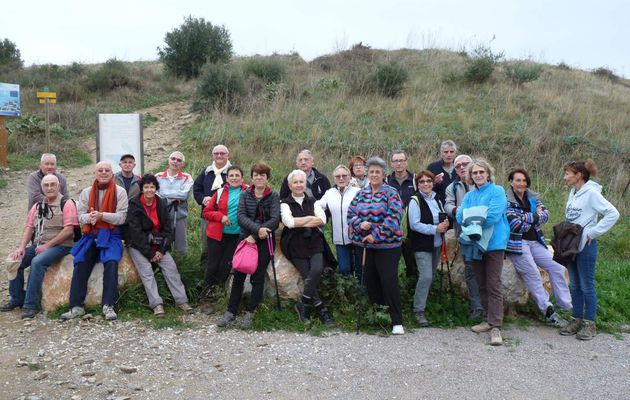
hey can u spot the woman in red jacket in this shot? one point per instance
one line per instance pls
(223, 231)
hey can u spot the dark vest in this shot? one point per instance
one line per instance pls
(303, 242)
(419, 241)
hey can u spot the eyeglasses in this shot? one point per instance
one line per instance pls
(219, 153)
(340, 176)
(462, 165)
(421, 181)
(481, 172)
(358, 166)
(176, 159)
(398, 161)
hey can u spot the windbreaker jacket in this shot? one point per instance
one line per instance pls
(337, 204)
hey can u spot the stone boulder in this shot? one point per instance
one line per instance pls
(56, 286)
(290, 283)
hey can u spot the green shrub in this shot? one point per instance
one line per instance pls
(77, 69)
(389, 79)
(563, 66)
(112, 75)
(220, 87)
(193, 44)
(606, 73)
(521, 72)
(10, 57)
(269, 69)
(480, 65)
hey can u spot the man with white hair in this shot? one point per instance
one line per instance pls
(47, 166)
(209, 180)
(50, 223)
(316, 183)
(175, 185)
(444, 169)
(102, 207)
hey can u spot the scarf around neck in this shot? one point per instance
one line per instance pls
(218, 179)
(108, 204)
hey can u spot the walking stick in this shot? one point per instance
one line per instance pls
(273, 266)
(360, 287)
(444, 259)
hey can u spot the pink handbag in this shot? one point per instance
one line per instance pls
(245, 257)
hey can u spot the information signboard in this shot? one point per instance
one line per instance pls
(120, 134)
(9, 100)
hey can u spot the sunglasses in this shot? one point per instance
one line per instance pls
(462, 165)
(340, 176)
(478, 172)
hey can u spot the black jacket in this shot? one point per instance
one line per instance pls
(320, 185)
(417, 240)
(566, 242)
(139, 226)
(301, 242)
(440, 188)
(202, 187)
(253, 215)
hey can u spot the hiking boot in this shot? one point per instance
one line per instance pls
(158, 311)
(398, 330)
(226, 319)
(423, 322)
(482, 327)
(247, 320)
(8, 307)
(556, 320)
(74, 312)
(588, 330)
(302, 311)
(28, 313)
(572, 327)
(324, 315)
(476, 315)
(109, 313)
(495, 337)
(186, 308)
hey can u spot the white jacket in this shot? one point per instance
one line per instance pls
(584, 207)
(337, 203)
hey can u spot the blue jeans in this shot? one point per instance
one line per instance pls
(81, 275)
(39, 264)
(344, 258)
(582, 286)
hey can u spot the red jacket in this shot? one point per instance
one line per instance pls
(213, 212)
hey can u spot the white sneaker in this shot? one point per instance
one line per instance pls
(109, 313)
(398, 330)
(73, 313)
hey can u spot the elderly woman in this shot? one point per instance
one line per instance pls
(337, 200)
(258, 216)
(357, 170)
(485, 229)
(150, 238)
(427, 224)
(222, 231)
(374, 217)
(584, 206)
(303, 243)
(527, 249)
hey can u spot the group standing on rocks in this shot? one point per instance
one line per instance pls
(367, 208)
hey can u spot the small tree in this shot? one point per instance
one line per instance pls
(521, 72)
(193, 44)
(480, 65)
(389, 79)
(220, 86)
(9, 56)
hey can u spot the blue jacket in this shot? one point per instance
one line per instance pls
(493, 197)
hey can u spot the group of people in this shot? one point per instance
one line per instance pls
(366, 206)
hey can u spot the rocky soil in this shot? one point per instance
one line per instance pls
(94, 359)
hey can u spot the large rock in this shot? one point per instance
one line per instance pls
(56, 286)
(290, 283)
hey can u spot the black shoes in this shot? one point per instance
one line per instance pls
(302, 311)
(28, 313)
(324, 315)
(8, 307)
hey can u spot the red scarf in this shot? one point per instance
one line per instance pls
(108, 204)
(151, 212)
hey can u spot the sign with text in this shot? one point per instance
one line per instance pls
(120, 134)
(9, 100)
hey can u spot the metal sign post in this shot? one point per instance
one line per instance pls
(47, 98)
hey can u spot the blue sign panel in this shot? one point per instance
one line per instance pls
(9, 100)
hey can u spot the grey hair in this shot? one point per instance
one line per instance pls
(341, 166)
(379, 162)
(48, 155)
(295, 173)
(461, 156)
(180, 154)
(305, 151)
(397, 151)
(483, 164)
(448, 143)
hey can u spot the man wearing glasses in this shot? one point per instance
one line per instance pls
(175, 187)
(209, 180)
(402, 179)
(444, 169)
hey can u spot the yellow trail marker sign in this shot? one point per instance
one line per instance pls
(49, 101)
(46, 95)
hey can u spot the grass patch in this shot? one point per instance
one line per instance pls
(3, 182)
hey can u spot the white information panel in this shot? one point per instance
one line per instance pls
(120, 134)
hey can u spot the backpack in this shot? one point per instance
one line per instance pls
(42, 210)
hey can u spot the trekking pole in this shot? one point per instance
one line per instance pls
(273, 266)
(359, 290)
(444, 260)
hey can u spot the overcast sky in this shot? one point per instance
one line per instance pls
(583, 34)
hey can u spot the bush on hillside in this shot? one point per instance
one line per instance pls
(269, 69)
(10, 57)
(193, 44)
(606, 73)
(563, 66)
(346, 59)
(521, 72)
(219, 88)
(112, 75)
(389, 79)
(480, 65)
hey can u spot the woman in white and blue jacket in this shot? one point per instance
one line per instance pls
(489, 198)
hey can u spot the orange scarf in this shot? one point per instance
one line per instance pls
(108, 205)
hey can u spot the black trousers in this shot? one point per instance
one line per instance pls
(219, 258)
(380, 273)
(257, 279)
(311, 271)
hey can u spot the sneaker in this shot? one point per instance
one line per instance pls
(398, 330)
(588, 330)
(158, 311)
(423, 322)
(247, 320)
(495, 337)
(476, 315)
(28, 313)
(324, 315)
(301, 310)
(226, 319)
(8, 307)
(556, 320)
(482, 327)
(109, 313)
(572, 327)
(74, 312)
(186, 308)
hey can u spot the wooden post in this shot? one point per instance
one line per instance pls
(4, 144)
(47, 127)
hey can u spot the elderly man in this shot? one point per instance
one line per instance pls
(209, 180)
(443, 169)
(50, 224)
(454, 195)
(401, 178)
(316, 183)
(125, 177)
(175, 187)
(102, 208)
(47, 166)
